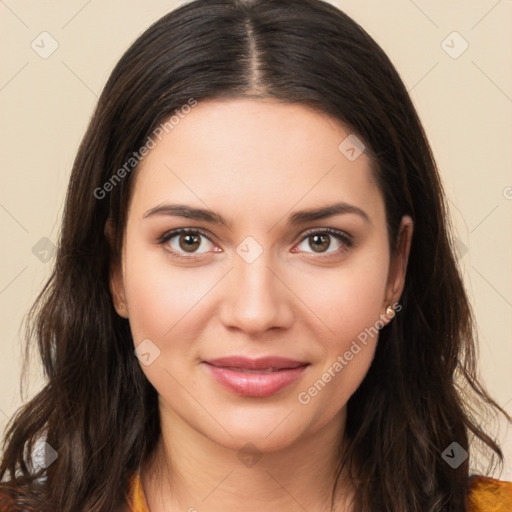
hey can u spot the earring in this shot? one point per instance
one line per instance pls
(390, 311)
(121, 305)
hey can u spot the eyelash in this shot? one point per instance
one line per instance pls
(346, 239)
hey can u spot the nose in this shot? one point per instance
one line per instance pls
(256, 297)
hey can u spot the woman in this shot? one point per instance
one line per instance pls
(202, 352)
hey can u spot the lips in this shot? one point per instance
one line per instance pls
(255, 377)
(262, 363)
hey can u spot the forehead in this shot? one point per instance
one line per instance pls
(254, 155)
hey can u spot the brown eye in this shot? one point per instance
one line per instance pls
(320, 241)
(189, 242)
(183, 242)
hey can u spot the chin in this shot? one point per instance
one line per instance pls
(268, 432)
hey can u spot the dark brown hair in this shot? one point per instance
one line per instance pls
(98, 410)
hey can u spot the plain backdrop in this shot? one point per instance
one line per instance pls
(454, 58)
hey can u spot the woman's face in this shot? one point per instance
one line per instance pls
(265, 282)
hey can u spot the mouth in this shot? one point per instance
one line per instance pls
(255, 377)
(270, 363)
(248, 370)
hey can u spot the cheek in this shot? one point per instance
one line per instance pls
(348, 299)
(349, 302)
(164, 304)
(162, 298)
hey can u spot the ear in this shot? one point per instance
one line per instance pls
(116, 283)
(398, 266)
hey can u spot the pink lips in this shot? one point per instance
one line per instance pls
(255, 377)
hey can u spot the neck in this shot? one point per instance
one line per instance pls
(190, 472)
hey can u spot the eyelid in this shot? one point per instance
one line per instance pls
(178, 231)
(331, 231)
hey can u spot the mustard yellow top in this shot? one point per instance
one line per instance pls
(485, 495)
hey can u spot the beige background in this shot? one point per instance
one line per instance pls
(465, 104)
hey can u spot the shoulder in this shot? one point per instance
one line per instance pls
(132, 503)
(489, 495)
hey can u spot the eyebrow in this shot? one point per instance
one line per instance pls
(297, 218)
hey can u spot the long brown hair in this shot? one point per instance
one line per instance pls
(98, 410)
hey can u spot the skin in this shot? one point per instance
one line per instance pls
(255, 162)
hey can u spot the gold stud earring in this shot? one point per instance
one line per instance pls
(390, 311)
